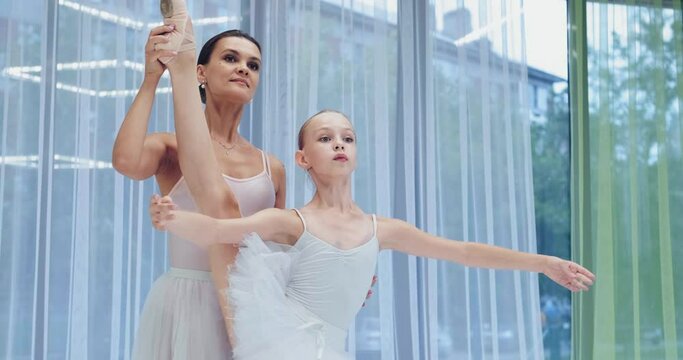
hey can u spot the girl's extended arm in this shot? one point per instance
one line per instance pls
(270, 224)
(401, 236)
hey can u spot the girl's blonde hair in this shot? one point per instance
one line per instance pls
(305, 125)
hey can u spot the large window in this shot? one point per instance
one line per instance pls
(546, 32)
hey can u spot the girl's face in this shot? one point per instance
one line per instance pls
(233, 70)
(329, 146)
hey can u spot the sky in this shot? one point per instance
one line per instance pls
(546, 35)
(545, 20)
(545, 25)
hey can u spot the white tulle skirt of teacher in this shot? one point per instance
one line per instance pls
(182, 320)
(267, 324)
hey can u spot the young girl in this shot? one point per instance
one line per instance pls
(299, 304)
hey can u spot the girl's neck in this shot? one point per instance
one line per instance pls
(333, 196)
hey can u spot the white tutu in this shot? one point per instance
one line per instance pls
(182, 319)
(267, 324)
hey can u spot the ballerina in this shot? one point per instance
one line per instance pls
(299, 304)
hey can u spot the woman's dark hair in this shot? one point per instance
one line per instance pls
(207, 50)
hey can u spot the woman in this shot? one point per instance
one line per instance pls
(183, 318)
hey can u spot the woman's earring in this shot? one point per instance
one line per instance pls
(203, 85)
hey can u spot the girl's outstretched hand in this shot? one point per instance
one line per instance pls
(160, 211)
(568, 274)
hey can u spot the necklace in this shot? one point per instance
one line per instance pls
(226, 148)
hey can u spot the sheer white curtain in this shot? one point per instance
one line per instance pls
(77, 252)
(437, 93)
(484, 188)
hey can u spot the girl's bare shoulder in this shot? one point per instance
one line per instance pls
(282, 225)
(390, 231)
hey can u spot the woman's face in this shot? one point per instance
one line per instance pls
(233, 70)
(329, 146)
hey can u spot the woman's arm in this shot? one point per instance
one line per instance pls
(401, 236)
(277, 171)
(136, 154)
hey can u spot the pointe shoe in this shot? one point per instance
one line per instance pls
(182, 37)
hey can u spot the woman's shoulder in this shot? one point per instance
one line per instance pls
(275, 164)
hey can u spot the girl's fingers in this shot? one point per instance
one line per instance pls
(584, 279)
(586, 273)
(576, 285)
(164, 209)
(581, 285)
(576, 268)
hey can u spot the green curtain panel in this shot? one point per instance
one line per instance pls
(626, 98)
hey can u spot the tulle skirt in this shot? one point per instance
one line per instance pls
(182, 320)
(268, 324)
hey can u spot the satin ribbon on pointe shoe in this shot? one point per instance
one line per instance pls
(182, 37)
